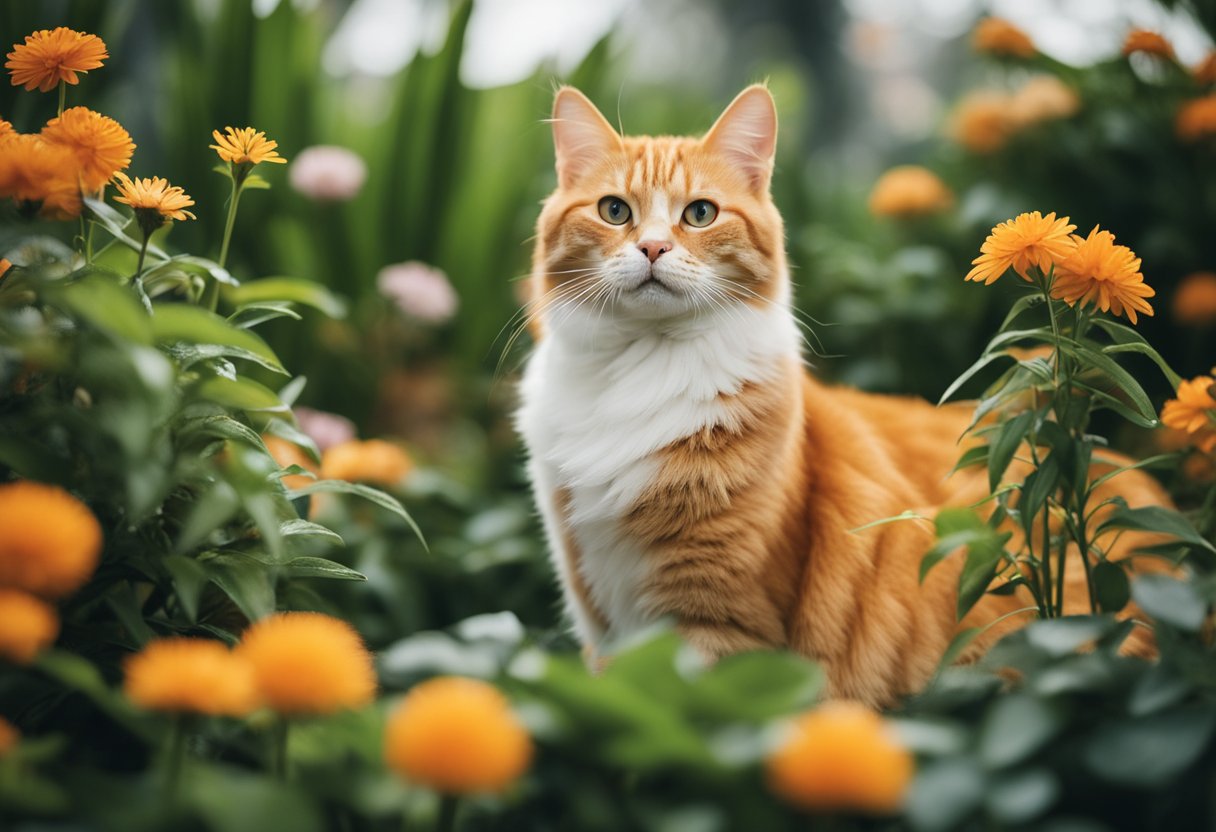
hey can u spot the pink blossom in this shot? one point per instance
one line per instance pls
(326, 429)
(419, 290)
(327, 173)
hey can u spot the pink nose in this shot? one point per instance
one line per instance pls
(654, 249)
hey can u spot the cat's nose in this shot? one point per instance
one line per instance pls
(654, 249)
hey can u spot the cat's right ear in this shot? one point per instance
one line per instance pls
(582, 137)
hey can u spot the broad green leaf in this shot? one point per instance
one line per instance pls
(1111, 586)
(945, 793)
(1012, 435)
(368, 493)
(305, 528)
(309, 567)
(1037, 488)
(1171, 601)
(984, 554)
(187, 355)
(972, 456)
(1021, 796)
(1155, 519)
(116, 225)
(244, 579)
(173, 322)
(240, 393)
(288, 289)
(209, 512)
(1150, 751)
(1120, 377)
(756, 686)
(189, 578)
(250, 315)
(1015, 727)
(1129, 340)
(99, 299)
(1108, 401)
(222, 427)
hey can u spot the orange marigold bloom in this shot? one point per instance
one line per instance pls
(1205, 71)
(457, 735)
(1152, 43)
(49, 541)
(1025, 241)
(1099, 272)
(908, 191)
(9, 736)
(309, 663)
(998, 36)
(154, 197)
(982, 121)
(32, 170)
(190, 675)
(1193, 409)
(5, 265)
(841, 755)
(1195, 299)
(1196, 119)
(374, 461)
(6, 130)
(27, 626)
(1043, 98)
(287, 454)
(50, 56)
(101, 146)
(245, 146)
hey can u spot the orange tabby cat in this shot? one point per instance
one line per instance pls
(685, 463)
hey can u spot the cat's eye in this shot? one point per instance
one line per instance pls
(700, 213)
(614, 210)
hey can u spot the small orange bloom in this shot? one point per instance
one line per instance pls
(50, 56)
(287, 454)
(49, 541)
(154, 198)
(9, 736)
(5, 265)
(245, 146)
(1043, 98)
(908, 191)
(1020, 243)
(1151, 43)
(374, 461)
(1099, 272)
(457, 736)
(1205, 71)
(35, 171)
(309, 663)
(1195, 299)
(190, 675)
(1196, 119)
(6, 130)
(101, 146)
(1193, 409)
(841, 755)
(982, 121)
(27, 626)
(998, 36)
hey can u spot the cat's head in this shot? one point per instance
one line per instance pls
(659, 228)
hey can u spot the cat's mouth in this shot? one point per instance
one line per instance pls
(652, 281)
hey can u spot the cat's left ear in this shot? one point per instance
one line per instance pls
(746, 134)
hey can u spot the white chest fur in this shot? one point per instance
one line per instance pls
(599, 401)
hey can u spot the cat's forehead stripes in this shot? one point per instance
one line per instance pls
(657, 163)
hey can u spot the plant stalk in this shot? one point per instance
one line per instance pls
(448, 804)
(63, 96)
(278, 748)
(211, 297)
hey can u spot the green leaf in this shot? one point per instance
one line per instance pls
(1061, 636)
(1015, 727)
(970, 373)
(173, 322)
(288, 289)
(1037, 488)
(320, 568)
(977, 455)
(1108, 401)
(1155, 519)
(210, 511)
(373, 495)
(1021, 796)
(1120, 377)
(1150, 751)
(304, 528)
(1129, 340)
(221, 426)
(1012, 435)
(944, 793)
(250, 315)
(1111, 586)
(116, 225)
(983, 556)
(255, 182)
(240, 393)
(189, 578)
(187, 355)
(1171, 601)
(1160, 687)
(756, 686)
(98, 298)
(244, 579)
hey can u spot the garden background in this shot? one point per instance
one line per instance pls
(398, 312)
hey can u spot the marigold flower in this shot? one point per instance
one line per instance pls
(841, 755)
(1196, 119)
(909, 191)
(245, 146)
(419, 290)
(997, 36)
(1099, 272)
(6, 130)
(328, 173)
(457, 735)
(27, 626)
(309, 663)
(1043, 98)
(35, 171)
(1025, 241)
(1193, 410)
(1195, 299)
(50, 56)
(49, 541)
(982, 121)
(5, 265)
(373, 460)
(190, 675)
(1151, 43)
(101, 146)
(9, 736)
(154, 199)
(1205, 71)
(287, 454)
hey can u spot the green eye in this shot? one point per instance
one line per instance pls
(614, 210)
(700, 213)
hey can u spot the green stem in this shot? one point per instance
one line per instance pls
(211, 296)
(63, 95)
(447, 813)
(175, 757)
(278, 747)
(137, 279)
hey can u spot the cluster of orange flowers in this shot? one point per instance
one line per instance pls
(373, 461)
(984, 121)
(1090, 270)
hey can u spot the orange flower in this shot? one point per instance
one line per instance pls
(1151, 43)
(1195, 299)
(245, 146)
(5, 265)
(9, 736)
(101, 146)
(1026, 241)
(998, 36)
(27, 626)
(287, 454)
(841, 756)
(35, 171)
(374, 461)
(1098, 271)
(981, 121)
(456, 736)
(154, 199)
(1196, 119)
(190, 675)
(1043, 98)
(309, 663)
(49, 57)
(49, 540)
(6, 130)
(1205, 71)
(908, 191)
(1193, 409)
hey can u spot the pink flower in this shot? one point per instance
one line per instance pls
(419, 290)
(327, 173)
(326, 429)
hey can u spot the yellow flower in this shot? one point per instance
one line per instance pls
(456, 736)
(245, 146)
(1195, 299)
(286, 454)
(374, 461)
(154, 197)
(27, 626)
(1196, 118)
(1099, 272)
(1043, 98)
(49, 540)
(907, 191)
(309, 663)
(50, 56)
(1205, 71)
(9, 736)
(1026, 241)
(190, 675)
(998, 36)
(1193, 409)
(100, 144)
(1151, 43)
(982, 121)
(841, 756)
(37, 172)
